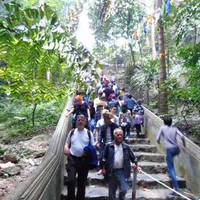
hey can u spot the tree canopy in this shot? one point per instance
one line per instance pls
(40, 58)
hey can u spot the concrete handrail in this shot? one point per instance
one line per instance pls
(47, 180)
(188, 161)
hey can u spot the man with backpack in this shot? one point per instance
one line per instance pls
(77, 160)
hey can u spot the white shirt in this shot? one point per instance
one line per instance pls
(100, 123)
(108, 135)
(78, 141)
(115, 120)
(118, 157)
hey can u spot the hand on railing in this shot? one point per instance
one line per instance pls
(136, 168)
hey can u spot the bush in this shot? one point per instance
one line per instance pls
(16, 117)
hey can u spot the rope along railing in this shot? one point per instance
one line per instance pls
(161, 183)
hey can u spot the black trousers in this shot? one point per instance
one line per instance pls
(76, 166)
(138, 129)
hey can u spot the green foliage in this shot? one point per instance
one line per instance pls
(146, 76)
(191, 56)
(2, 151)
(173, 90)
(187, 20)
(113, 20)
(191, 60)
(16, 116)
(34, 43)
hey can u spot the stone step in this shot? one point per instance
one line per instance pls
(101, 193)
(151, 157)
(142, 180)
(148, 167)
(153, 167)
(143, 148)
(142, 194)
(138, 141)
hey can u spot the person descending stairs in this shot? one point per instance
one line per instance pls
(151, 162)
(153, 182)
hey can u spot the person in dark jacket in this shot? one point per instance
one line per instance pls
(117, 159)
(105, 134)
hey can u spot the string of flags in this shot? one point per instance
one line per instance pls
(167, 7)
(154, 18)
(165, 10)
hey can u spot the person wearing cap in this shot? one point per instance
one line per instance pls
(116, 162)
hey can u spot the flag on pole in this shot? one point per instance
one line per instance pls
(145, 28)
(167, 7)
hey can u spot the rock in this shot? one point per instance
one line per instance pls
(39, 154)
(36, 144)
(6, 165)
(10, 158)
(30, 151)
(11, 171)
(6, 140)
(31, 162)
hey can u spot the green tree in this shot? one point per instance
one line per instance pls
(111, 21)
(187, 20)
(32, 43)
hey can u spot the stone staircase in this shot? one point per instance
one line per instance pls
(152, 163)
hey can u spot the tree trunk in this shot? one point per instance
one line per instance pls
(163, 103)
(147, 95)
(132, 54)
(33, 114)
(153, 46)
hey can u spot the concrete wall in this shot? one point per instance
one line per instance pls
(188, 161)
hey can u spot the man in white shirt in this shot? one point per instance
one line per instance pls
(77, 139)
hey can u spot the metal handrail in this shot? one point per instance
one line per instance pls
(166, 186)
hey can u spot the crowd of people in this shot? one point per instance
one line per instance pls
(124, 110)
(109, 118)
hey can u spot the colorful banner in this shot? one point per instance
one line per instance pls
(167, 7)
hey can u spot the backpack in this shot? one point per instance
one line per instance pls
(90, 151)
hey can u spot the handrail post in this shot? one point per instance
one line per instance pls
(134, 182)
